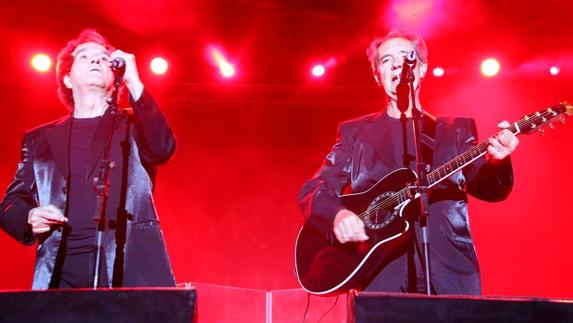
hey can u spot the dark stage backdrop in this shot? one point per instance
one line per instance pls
(227, 200)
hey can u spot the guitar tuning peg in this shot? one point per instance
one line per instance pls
(562, 120)
(541, 131)
(552, 126)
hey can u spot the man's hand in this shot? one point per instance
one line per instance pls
(349, 227)
(43, 217)
(131, 76)
(502, 144)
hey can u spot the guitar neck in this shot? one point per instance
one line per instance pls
(527, 124)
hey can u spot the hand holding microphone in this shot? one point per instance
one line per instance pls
(118, 65)
(123, 65)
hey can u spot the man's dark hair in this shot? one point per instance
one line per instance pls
(66, 59)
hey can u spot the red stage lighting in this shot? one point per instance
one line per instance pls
(159, 65)
(319, 67)
(438, 72)
(41, 62)
(554, 70)
(227, 70)
(318, 70)
(216, 57)
(490, 67)
(430, 17)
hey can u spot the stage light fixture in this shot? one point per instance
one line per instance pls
(217, 57)
(41, 62)
(159, 65)
(318, 70)
(438, 72)
(490, 67)
(554, 70)
(227, 70)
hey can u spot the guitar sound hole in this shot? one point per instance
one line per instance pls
(380, 212)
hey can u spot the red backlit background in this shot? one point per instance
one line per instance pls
(227, 200)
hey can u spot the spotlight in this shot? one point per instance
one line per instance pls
(159, 65)
(41, 62)
(490, 67)
(318, 70)
(438, 71)
(227, 70)
(554, 70)
(217, 57)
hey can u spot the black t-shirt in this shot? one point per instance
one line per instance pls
(397, 133)
(82, 196)
(428, 127)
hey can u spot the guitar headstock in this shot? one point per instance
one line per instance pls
(535, 121)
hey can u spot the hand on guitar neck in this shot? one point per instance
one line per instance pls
(502, 144)
(348, 227)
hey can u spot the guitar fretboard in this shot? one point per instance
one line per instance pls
(525, 124)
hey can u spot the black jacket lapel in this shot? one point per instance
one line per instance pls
(58, 138)
(378, 133)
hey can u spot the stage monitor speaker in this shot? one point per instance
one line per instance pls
(106, 305)
(398, 308)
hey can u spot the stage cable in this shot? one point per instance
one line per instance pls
(306, 309)
(330, 309)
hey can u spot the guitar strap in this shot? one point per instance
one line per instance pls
(428, 138)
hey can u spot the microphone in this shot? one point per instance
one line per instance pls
(403, 88)
(411, 59)
(118, 65)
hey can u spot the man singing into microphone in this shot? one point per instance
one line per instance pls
(370, 147)
(52, 197)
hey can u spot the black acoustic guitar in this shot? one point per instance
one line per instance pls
(326, 267)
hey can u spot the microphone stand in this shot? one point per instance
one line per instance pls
(101, 181)
(422, 169)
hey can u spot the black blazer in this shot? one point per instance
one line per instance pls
(135, 253)
(364, 153)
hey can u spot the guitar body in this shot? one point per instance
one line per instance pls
(327, 267)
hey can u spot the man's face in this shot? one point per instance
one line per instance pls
(90, 67)
(389, 68)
